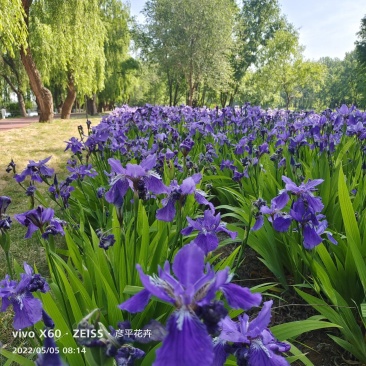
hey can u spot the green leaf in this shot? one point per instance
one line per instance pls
(298, 356)
(132, 290)
(14, 357)
(363, 309)
(352, 231)
(294, 329)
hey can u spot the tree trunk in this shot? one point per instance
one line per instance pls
(91, 106)
(223, 99)
(288, 100)
(42, 94)
(21, 103)
(176, 90)
(19, 93)
(233, 94)
(15, 88)
(70, 99)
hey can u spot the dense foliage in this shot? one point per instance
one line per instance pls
(199, 53)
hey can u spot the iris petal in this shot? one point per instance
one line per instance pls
(240, 297)
(187, 342)
(137, 302)
(189, 264)
(27, 309)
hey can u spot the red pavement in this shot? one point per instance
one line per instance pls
(10, 123)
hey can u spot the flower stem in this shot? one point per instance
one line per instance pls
(8, 263)
(243, 246)
(177, 233)
(136, 209)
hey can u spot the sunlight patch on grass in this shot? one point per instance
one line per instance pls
(34, 142)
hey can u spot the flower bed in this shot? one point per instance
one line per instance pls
(148, 192)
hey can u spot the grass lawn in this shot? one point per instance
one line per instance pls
(34, 142)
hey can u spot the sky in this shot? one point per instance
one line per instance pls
(326, 27)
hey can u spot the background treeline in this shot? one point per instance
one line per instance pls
(75, 54)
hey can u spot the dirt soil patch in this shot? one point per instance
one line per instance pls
(317, 345)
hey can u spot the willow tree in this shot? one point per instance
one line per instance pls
(13, 30)
(43, 95)
(190, 38)
(14, 38)
(115, 17)
(12, 71)
(70, 35)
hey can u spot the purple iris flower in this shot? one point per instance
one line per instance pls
(82, 171)
(359, 130)
(115, 343)
(310, 223)
(263, 149)
(186, 146)
(5, 201)
(251, 342)
(227, 164)
(100, 192)
(36, 171)
(55, 227)
(51, 355)
(75, 145)
(11, 167)
(63, 190)
(192, 288)
(138, 177)
(5, 221)
(322, 229)
(105, 241)
(178, 193)
(280, 220)
(40, 218)
(30, 190)
(27, 309)
(208, 227)
(304, 190)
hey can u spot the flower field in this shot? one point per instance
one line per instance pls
(157, 212)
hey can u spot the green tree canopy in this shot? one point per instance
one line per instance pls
(74, 31)
(190, 39)
(13, 30)
(361, 43)
(255, 24)
(118, 67)
(281, 71)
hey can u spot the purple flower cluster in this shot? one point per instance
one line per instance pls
(251, 342)
(140, 178)
(198, 315)
(81, 171)
(37, 171)
(27, 309)
(305, 211)
(116, 343)
(208, 227)
(178, 193)
(41, 219)
(62, 189)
